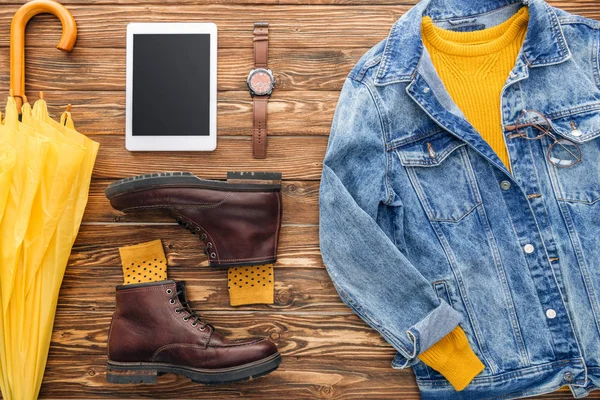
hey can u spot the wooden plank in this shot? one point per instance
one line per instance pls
(297, 289)
(300, 276)
(290, 112)
(301, 282)
(572, 6)
(341, 336)
(71, 3)
(298, 245)
(298, 158)
(298, 378)
(300, 205)
(291, 26)
(310, 70)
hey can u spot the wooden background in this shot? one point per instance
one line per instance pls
(328, 352)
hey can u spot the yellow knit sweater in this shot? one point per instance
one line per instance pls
(474, 67)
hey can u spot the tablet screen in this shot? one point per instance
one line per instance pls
(171, 85)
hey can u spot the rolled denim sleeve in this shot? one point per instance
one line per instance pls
(370, 274)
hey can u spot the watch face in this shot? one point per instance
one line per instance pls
(260, 82)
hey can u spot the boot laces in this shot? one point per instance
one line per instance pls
(195, 229)
(192, 314)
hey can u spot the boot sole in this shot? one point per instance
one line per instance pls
(147, 372)
(180, 179)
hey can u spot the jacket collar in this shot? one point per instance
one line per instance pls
(544, 43)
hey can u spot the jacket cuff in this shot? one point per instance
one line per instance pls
(453, 357)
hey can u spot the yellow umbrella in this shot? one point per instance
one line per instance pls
(57, 254)
(25, 182)
(33, 156)
(31, 152)
(47, 196)
(8, 159)
(60, 171)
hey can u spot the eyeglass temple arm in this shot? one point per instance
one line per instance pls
(516, 127)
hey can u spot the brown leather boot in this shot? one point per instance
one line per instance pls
(154, 332)
(239, 223)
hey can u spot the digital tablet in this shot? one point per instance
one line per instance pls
(171, 100)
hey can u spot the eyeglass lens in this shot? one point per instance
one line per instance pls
(563, 153)
(535, 120)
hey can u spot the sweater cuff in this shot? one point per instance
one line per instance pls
(453, 358)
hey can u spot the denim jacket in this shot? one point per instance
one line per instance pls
(423, 228)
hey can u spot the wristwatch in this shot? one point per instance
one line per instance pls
(261, 84)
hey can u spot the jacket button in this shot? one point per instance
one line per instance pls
(505, 185)
(576, 132)
(528, 248)
(550, 313)
(568, 377)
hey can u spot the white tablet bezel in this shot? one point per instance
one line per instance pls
(172, 143)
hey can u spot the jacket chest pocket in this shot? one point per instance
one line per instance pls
(579, 182)
(441, 173)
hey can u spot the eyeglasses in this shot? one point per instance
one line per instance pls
(562, 153)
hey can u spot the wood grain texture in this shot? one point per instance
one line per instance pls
(301, 282)
(300, 113)
(297, 335)
(567, 5)
(291, 26)
(297, 289)
(71, 3)
(300, 206)
(297, 157)
(329, 353)
(314, 70)
(299, 244)
(298, 378)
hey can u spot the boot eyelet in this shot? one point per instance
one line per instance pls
(177, 311)
(202, 328)
(209, 245)
(203, 236)
(213, 255)
(185, 319)
(169, 291)
(171, 301)
(194, 324)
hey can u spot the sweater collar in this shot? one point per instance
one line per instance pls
(544, 43)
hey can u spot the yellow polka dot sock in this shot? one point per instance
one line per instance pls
(251, 285)
(144, 262)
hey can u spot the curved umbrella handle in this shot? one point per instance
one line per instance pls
(17, 39)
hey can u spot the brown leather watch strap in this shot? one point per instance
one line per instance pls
(259, 133)
(261, 44)
(261, 60)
